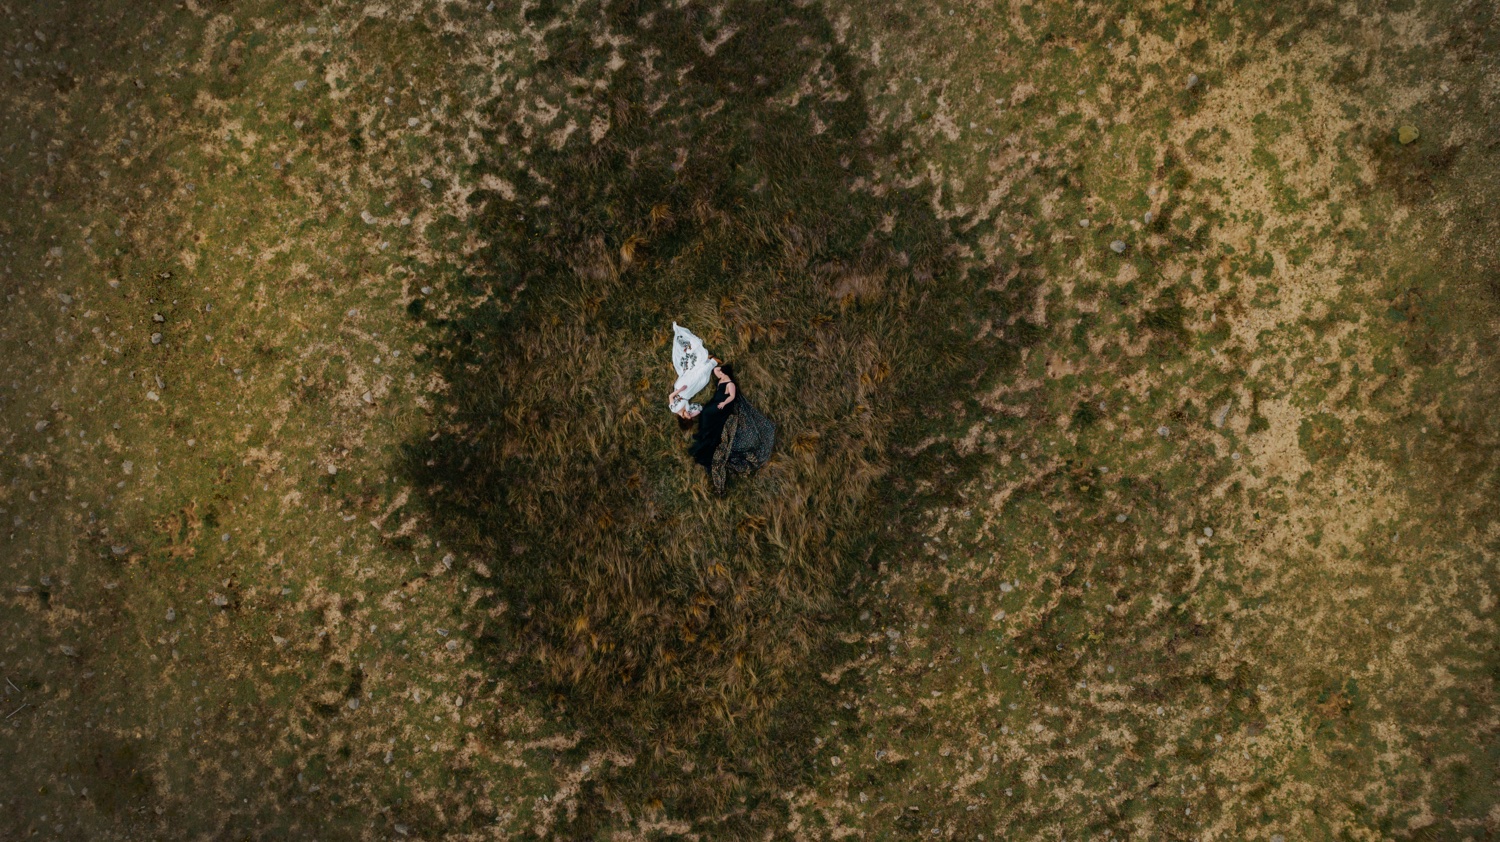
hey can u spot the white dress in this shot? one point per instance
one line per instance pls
(694, 368)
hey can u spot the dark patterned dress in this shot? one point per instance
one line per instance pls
(734, 441)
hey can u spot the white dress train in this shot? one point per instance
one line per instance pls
(694, 368)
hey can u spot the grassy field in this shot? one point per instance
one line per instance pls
(1135, 365)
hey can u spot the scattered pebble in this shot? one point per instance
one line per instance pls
(1208, 532)
(120, 549)
(40, 426)
(171, 614)
(1118, 246)
(1163, 432)
(156, 339)
(300, 84)
(1222, 415)
(1119, 518)
(1083, 223)
(1407, 134)
(65, 298)
(158, 318)
(1192, 81)
(354, 704)
(224, 538)
(1148, 217)
(152, 396)
(220, 600)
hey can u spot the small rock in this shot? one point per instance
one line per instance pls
(389, 757)
(1192, 81)
(367, 398)
(427, 290)
(1163, 432)
(300, 84)
(152, 396)
(156, 339)
(119, 549)
(1006, 587)
(1118, 246)
(158, 318)
(413, 122)
(127, 466)
(1148, 217)
(1222, 415)
(40, 426)
(65, 298)
(1407, 134)
(1208, 532)
(224, 538)
(1083, 223)
(369, 218)
(1119, 518)
(452, 646)
(426, 183)
(220, 600)
(354, 704)
(69, 651)
(333, 469)
(171, 614)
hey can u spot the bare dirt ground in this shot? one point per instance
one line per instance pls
(1136, 367)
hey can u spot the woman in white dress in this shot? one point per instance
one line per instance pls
(694, 369)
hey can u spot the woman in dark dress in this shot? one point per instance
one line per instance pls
(733, 437)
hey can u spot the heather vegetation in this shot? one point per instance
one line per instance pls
(1134, 365)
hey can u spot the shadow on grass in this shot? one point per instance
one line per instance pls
(721, 173)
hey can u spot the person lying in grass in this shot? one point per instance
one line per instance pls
(733, 437)
(693, 364)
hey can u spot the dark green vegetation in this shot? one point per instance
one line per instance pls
(1136, 384)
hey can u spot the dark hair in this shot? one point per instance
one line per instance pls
(685, 423)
